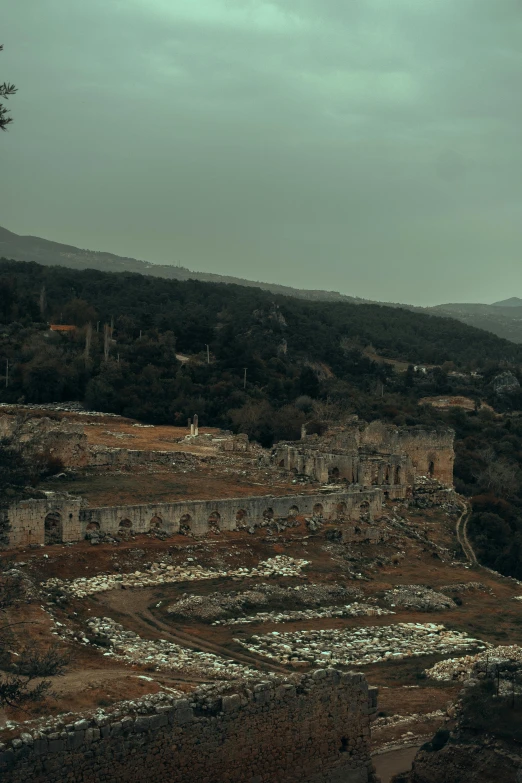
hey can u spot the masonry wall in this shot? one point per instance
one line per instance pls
(60, 439)
(196, 517)
(27, 519)
(316, 731)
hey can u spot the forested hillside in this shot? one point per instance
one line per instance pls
(140, 349)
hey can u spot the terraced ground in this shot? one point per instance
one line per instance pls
(419, 550)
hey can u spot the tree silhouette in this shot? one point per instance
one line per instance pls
(6, 90)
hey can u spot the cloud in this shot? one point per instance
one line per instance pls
(370, 146)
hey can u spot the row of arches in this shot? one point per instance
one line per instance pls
(53, 524)
(155, 523)
(389, 476)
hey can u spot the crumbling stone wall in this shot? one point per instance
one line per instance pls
(376, 454)
(35, 521)
(197, 517)
(28, 517)
(105, 456)
(40, 435)
(314, 730)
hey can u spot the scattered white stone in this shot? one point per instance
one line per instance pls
(280, 565)
(462, 668)
(360, 646)
(350, 610)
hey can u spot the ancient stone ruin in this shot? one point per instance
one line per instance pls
(371, 455)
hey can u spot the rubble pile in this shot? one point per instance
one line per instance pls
(159, 654)
(359, 646)
(469, 666)
(418, 597)
(350, 610)
(161, 573)
(218, 606)
(462, 587)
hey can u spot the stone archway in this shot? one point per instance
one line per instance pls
(185, 525)
(156, 523)
(125, 524)
(92, 529)
(318, 510)
(213, 521)
(293, 511)
(341, 510)
(53, 528)
(398, 475)
(364, 510)
(268, 514)
(334, 475)
(241, 517)
(431, 469)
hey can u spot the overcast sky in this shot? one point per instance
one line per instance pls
(372, 147)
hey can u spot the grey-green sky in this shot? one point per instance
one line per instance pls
(368, 146)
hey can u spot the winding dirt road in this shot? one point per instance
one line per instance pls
(462, 534)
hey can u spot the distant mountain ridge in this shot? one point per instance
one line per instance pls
(49, 253)
(503, 318)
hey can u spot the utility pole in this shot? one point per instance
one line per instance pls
(106, 341)
(208, 355)
(97, 326)
(6, 373)
(244, 378)
(88, 337)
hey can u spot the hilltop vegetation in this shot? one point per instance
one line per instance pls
(303, 360)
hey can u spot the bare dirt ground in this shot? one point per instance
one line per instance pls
(94, 680)
(420, 550)
(199, 469)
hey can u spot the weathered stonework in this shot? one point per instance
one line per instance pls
(40, 521)
(376, 454)
(28, 518)
(315, 729)
(40, 435)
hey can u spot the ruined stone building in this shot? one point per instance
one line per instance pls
(371, 455)
(373, 461)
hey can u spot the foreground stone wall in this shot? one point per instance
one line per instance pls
(315, 730)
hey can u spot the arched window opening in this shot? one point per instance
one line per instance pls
(241, 516)
(318, 510)
(386, 477)
(364, 510)
(92, 526)
(293, 511)
(185, 524)
(126, 524)
(53, 528)
(431, 469)
(213, 521)
(398, 474)
(268, 513)
(333, 475)
(156, 523)
(282, 463)
(341, 510)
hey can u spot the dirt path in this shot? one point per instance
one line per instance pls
(462, 535)
(145, 623)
